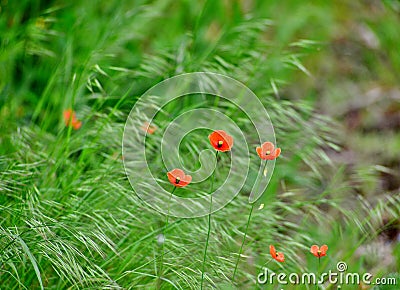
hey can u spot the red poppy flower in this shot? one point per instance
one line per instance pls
(71, 120)
(280, 257)
(221, 141)
(267, 151)
(178, 178)
(319, 252)
(149, 129)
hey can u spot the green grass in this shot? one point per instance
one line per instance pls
(69, 218)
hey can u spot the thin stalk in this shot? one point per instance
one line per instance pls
(265, 264)
(162, 246)
(247, 227)
(244, 238)
(319, 263)
(209, 225)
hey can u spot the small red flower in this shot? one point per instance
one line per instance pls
(71, 120)
(280, 257)
(149, 129)
(178, 178)
(319, 252)
(221, 141)
(267, 151)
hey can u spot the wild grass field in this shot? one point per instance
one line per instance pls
(70, 73)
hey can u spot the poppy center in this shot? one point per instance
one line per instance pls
(177, 180)
(268, 152)
(220, 143)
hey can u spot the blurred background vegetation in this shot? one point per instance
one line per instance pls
(327, 71)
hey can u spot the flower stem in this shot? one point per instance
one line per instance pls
(244, 238)
(247, 227)
(209, 225)
(162, 246)
(319, 263)
(265, 264)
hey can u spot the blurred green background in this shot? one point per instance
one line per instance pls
(328, 73)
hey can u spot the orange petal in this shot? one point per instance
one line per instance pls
(147, 128)
(171, 178)
(219, 135)
(314, 250)
(71, 120)
(269, 157)
(277, 152)
(273, 155)
(187, 179)
(229, 140)
(68, 115)
(151, 130)
(259, 152)
(175, 174)
(267, 146)
(76, 124)
(323, 249)
(272, 251)
(280, 257)
(268, 152)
